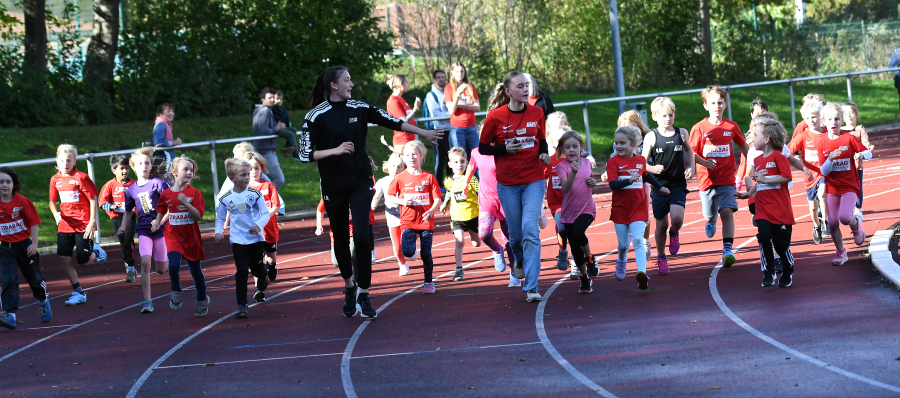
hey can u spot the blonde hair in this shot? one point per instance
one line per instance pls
(813, 97)
(255, 156)
(386, 165)
(633, 133)
(568, 135)
(176, 163)
(661, 104)
(533, 88)
(811, 106)
(233, 165)
(159, 167)
(458, 152)
(633, 116)
(395, 81)
(556, 120)
(773, 129)
(67, 149)
(454, 84)
(713, 88)
(836, 107)
(414, 144)
(241, 148)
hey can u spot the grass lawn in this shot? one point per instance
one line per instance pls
(877, 102)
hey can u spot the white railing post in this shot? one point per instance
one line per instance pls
(212, 168)
(90, 169)
(587, 127)
(793, 108)
(728, 101)
(849, 90)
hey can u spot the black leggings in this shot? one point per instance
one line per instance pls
(359, 200)
(779, 236)
(248, 259)
(126, 240)
(578, 238)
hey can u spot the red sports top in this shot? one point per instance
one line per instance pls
(527, 126)
(712, 141)
(423, 190)
(773, 201)
(805, 142)
(113, 192)
(270, 194)
(843, 177)
(75, 192)
(398, 107)
(554, 189)
(629, 204)
(16, 219)
(182, 231)
(461, 118)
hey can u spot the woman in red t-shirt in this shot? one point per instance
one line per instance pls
(514, 133)
(462, 102)
(399, 108)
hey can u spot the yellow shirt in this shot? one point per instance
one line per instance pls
(462, 208)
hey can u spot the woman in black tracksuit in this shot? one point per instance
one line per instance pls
(334, 135)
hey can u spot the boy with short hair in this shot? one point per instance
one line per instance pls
(712, 140)
(463, 205)
(804, 143)
(279, 112)
(112, 199)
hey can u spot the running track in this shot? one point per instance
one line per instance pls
(700, 331)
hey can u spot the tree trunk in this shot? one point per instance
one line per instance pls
(101, 53)
(35, 35)
(705, 33)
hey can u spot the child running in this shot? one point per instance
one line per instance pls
(18, 249)
(248, 215)
(76, 219)
(239, 150)
(463, 205)
(842, 187)
(182, 205)
(774, 220)
(418, 194)
(672, 165)
(490, 211)
(392, 167)
(112, 200)
(144, 196)
(270, 194)
(805, 142)
(627, 172)
(557, 125)
(578, 209)
(851, 115)
(711, 142)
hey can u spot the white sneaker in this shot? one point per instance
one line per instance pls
(77, 298)
(499, 262)
(404, 269)
(414, 256)
(532, 296)
(514, 282)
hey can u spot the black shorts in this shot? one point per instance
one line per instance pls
(752, 207)
(663, 203)
(470, 225)
(67, 241)
(270, 247)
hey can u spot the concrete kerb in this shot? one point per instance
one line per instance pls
(882, 259)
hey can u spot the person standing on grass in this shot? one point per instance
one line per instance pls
(437, 107)
(334, 135)
(462, 102)
(895, 63)
(264, 124)
(399, 108)
(162, 130)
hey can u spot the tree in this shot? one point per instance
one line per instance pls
(35, 34)
(101, 60)
(706, 33)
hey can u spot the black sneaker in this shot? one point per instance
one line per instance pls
(817, 235)
(586, 284)
(365, 306)
(459, 275)
(519, 269)
(350, 301)
(768, 279)
(259, 296)
(779, 267)
(592, 269)
(242, 311)
(273, 271)
(785, 280)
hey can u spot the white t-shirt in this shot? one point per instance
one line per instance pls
(754, 153)
(247, 209)
(391, 212)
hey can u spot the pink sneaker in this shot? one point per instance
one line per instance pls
(674, 244)
(663, 266)
(839, 258)
(859, 236)
(428, 288)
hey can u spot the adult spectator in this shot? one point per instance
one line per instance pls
(437, 107)
(289, 133)
(537, 97)
(462, 102)
(399, 108)
(162, 130)
(895, 63)
(264, 124)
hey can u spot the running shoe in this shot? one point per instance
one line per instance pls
(146, 307)
(710, 229)
(130, 275)
(663, 266)
(859, 237)
(647, 248)
(562, 261)
(574, 274)
(350, 308)
(817, 234)
(840, 257)
(404, 269)
(272, 271)
(826, 231)
(100, 254)
(499, 262)
(785, 280)
(288, 148)
(77, 298)
(8, 321)
(458, 276)
(202, 307)
(414, 256)
(259, 296)
(243, 311)
(532, 296)
(46, 314)
(542, 221)
(586, 284)
(428, 288)
(514, 282)
(768, 279)
(175, 302)
(592, 269)
(674, 244)
(643, 280)
(779, 267)
(364, 305)
(728, 259)
(519, 269)
(620, 269)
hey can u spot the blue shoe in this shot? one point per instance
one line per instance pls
(514, 282)
(8, 321)
(728, 259)
(101, 254)
(499, 262)
(46, 314)
(710, 229)
(77, 298)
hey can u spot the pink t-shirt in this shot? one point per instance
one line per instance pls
(578, 200)
(488, 201)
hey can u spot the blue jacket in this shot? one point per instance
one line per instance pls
(895, 61)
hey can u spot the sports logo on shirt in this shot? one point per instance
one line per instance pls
(144, 200)
(726, 134)
(520, 131)
(640, 166)
(120, 189)
(73, 182)
(659, 150)
(420, 188)
(426, 182)
(770, 164)
(845, 148)
(16, 210)
(352, 120)
(679, 148)
(68, 196)
(531, 124)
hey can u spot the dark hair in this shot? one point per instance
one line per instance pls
(322, 88)
(265, 90)
(162, 108)
(17, 184)
(436, 71)
(278, 93)
(758, 102)
(118, 160)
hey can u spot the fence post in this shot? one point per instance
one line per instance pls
(728, 101)
(90, 168)
(849, 90)
(212, 168)
(587, 128)
(793, 111)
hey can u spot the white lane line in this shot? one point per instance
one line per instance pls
(245, 361)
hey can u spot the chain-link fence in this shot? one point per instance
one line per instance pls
(842, 47)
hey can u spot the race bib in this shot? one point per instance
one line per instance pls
(68, 196)
(716, 151)
(639, 184)
(811, 156)
(840, 165)
(527, 142)
(554, 180)
(181, 218)
(459, 196)
(763, 187)
(13, 227)
(418, 199)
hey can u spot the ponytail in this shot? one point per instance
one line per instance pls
(499, 97)
(322, 88)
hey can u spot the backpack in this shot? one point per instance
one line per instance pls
(426, 112)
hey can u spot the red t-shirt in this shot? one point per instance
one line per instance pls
(16, 219)
(182, 231)
(461, 118)
(773, 200)
(113, 192)
(270, 194)
(554, 189)
(805, 142)
(75, 192)
(527, 126)
(712, 141)
(629, 204)
(843, 177)
(802, 126)
(423, 190)
(398, 107)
